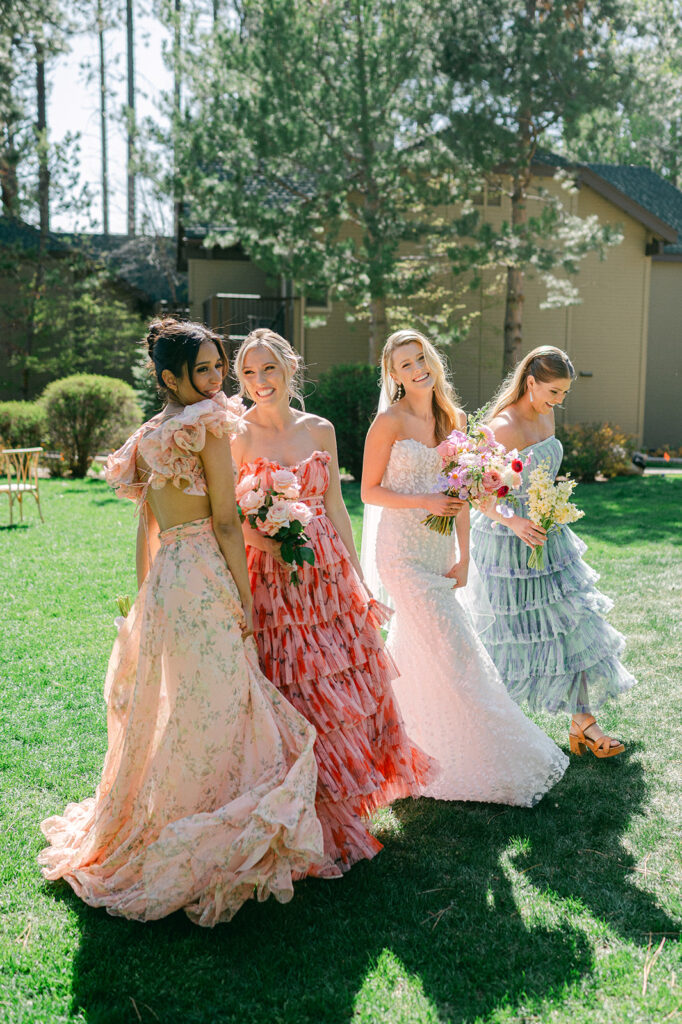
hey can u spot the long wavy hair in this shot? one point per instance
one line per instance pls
(445, 403)
(545, 363)
(282, 353)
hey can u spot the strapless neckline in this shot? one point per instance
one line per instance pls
(413, 440)
(293, 465)
(551, 437)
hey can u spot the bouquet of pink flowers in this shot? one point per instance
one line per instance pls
(276, 512)
(476, 469)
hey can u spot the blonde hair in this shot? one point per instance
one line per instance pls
(282, 353)
(445, 402)
(545, 363)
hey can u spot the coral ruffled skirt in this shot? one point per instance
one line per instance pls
(320, 643)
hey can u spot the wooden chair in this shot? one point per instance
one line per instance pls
(20, 467)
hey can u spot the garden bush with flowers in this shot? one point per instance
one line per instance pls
(595, 449)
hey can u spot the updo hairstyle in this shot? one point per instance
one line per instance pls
(545, 363)
(174, 345)
(282, 353)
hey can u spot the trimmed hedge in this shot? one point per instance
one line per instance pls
(87, 414)
(22, 424)
(595, 448)
(348, 395)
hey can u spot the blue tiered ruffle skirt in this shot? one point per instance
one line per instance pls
(549, 640)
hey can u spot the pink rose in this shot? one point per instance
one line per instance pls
(300, 511)
(251, 501)
(277, 517)
(250, 482)
(491, 480)
(285, 482)
(447, 449)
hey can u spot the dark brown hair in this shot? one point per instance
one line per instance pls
(174, 345)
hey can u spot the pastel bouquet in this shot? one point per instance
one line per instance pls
(276, 512)
(476, 469)
(549, 506)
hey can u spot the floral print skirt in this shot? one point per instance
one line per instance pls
(208, 787)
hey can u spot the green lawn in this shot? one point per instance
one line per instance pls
(472, 913)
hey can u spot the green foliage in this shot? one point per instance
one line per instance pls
(597, 448)
(88, 413)
(65, 314)
(645, 126)
(22, 424)
(348, 395)
(328, 114)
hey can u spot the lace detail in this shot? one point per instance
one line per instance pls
(170, 446)
(453, 701)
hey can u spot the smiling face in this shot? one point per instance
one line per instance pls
(263, 376)
(409, 368)
(545, 395)
(205, 379)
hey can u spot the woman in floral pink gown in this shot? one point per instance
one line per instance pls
(319, 641)
(208, 786)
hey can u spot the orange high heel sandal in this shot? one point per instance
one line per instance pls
(579, 742)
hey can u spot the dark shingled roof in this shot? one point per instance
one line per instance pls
(648, 189)
(142, 263)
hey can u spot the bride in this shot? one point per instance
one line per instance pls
(454, 703)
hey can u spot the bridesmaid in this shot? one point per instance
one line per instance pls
(549, 641)
(207, 792)
(319, 641)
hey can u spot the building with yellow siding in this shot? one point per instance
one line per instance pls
(624, 337)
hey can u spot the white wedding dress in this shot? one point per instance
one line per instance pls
(455, 706)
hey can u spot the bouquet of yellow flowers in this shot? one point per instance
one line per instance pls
(548, 506)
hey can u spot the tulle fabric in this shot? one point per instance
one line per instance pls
(550, 641)
(452, 699)
(320, 644)
(208, 787)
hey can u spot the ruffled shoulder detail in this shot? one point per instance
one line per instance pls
(171, 449)
(120, 470)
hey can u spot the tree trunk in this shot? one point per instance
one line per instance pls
(177, 82)
(9, 184)
(103, 120)
(521, 176)
(377, 329)
(44, 214)
(130, 36)
(41, 127)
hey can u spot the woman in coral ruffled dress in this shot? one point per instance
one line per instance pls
(319, 641)
(208, 786)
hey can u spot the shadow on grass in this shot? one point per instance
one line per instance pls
(17, 526)
(487, 907)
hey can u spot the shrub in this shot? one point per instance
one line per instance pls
(22, 424)
(595, 448)
(86, 414)
(348, 395)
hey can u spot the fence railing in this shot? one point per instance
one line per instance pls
(236, 315)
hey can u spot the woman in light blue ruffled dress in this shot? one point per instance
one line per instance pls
(550, 641)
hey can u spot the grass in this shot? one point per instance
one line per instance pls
(472, 913)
